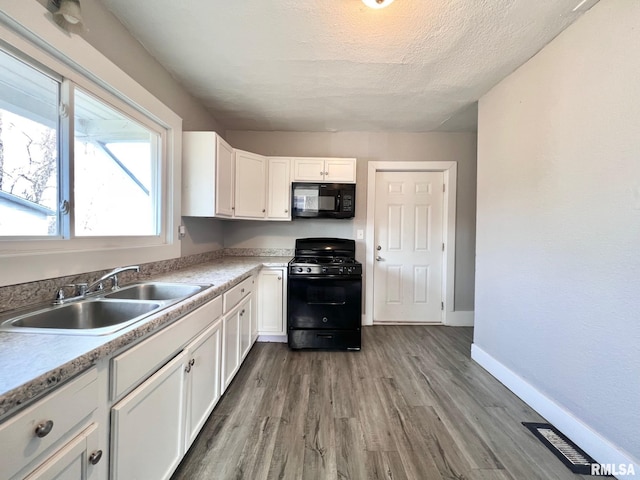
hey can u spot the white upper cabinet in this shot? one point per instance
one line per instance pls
(220, 181)
(250, 185)
(207, 175)
(337, 170)
(279, 188)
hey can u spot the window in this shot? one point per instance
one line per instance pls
(115, 162)
(28, 150)
(89, 159)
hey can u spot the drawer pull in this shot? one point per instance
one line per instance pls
(43, 429)
(95, 457)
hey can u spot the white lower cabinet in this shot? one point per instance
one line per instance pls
(75, 461)
(246, 338)
(48, 438)
(231, 362)
(271, 296)
(238, 328)
(153, 426)
(147, 427)
(203, 380)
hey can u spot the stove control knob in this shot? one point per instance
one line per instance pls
(299, 269)
(324, 269)
(308, 269)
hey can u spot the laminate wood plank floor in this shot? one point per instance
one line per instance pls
(411, 405)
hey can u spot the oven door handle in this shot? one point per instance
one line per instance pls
(324, 335)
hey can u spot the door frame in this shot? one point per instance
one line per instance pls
(450, 171)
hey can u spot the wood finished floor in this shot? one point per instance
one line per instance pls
(410, 405)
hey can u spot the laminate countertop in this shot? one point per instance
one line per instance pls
(32, 364)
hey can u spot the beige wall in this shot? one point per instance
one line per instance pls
(558, 228)
(105, 32)
(459, 147)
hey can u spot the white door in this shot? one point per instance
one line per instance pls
(250, 187)
(279, 189)
(147, 427)
(408, 247)
(271, 321)
(224, 178)
(203, 379)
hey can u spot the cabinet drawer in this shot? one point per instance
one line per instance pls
(62, 411)
(136, 364)
(237, 293)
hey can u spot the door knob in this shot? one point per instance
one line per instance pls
(379, 258)
(378, 248)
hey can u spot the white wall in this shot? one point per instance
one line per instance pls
(459, 147)
(558, 228)
(105, 32)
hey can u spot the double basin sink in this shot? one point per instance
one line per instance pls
(102, 314)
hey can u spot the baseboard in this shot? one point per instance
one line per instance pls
(590, 441)
(459, 318)
(272, 338)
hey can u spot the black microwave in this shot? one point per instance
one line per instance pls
(323, 200)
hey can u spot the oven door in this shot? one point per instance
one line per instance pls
(324, 302)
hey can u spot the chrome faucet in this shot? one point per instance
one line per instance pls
(113, 275)
(82, 289)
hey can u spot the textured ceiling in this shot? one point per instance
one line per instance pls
(336, 65)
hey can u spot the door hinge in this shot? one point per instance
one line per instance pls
(444, 187)
(443, 246)
(441, 305)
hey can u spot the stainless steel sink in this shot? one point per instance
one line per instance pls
(156, 291)
(99, 314)
(90, 317)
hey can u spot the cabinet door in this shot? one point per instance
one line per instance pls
(203, 380)
(224, 178)
(279, 189)
(270, 309)
(251, 180)
(147, 426)
(231, 346)
(245, 326)
(77, 460)
(308, 169)
(340, 170)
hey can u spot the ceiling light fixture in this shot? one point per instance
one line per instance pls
(377, 3)
(68, 12)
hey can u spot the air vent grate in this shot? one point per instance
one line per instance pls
(568, 452)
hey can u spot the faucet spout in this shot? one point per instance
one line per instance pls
(113, 276)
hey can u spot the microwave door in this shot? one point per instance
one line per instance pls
(306, 201)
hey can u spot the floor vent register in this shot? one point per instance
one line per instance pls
(568, 452)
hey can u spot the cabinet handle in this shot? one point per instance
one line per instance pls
(192, 362)
(326, 173)
(321, 173)
(242, 291)
(187, 368)
(43, 429)
(279, 278)
(286, 210)
(263, 210)
(95, 457)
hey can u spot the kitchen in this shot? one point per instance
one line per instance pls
(208, 235)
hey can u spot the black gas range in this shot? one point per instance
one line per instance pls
(324, 296)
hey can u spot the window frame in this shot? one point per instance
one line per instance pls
(29, 31)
